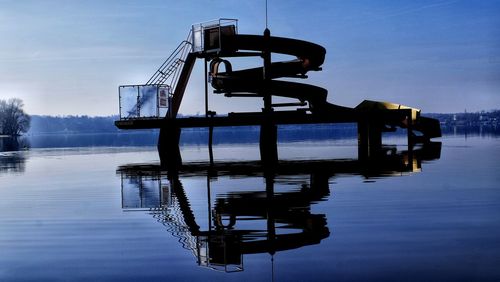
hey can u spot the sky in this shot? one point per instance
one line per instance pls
(68, 57)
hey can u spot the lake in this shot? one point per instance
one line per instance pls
(108, 212)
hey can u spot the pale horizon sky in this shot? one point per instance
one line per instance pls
(69, 57)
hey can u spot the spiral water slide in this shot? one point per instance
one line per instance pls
(309, 57)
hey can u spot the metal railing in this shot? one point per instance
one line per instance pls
(211, 42)
(153, 99)
(168, 72)
(144, 101)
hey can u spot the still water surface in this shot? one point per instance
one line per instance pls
(111, 214)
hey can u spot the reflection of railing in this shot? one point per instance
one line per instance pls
(172, 219)
(289, 223)
(151, 193)
(144, 101)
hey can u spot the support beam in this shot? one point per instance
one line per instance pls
(210, 144)
(168, 146)
(266, 55)
(271, 216)
(206, 88)
(369, 138)
(409, 130)
(268, 144)
(268, 129)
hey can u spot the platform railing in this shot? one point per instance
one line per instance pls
(206, 36)
(144, 101)
(168, 72)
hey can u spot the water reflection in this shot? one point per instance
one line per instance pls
(240, 221)
(11, 160)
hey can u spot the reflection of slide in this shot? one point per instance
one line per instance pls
(266, 220)
(295, 225)
(239, 222)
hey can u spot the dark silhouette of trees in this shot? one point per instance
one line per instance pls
(13, 119)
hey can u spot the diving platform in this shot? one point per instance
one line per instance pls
(156, 103)
(386, 117)
(243, 119)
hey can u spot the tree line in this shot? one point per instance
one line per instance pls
(72, 124)
(13, 120)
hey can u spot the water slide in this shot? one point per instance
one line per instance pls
(251, 82)
(309, 57)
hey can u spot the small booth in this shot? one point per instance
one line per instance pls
(144, 101)
(209, 36)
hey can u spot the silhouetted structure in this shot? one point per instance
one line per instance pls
(156, 104)
(243, 222)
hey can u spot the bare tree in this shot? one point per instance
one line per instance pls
(3, 107)
(13, 119)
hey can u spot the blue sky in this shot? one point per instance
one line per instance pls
(68, 57)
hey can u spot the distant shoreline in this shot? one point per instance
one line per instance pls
(105, 124)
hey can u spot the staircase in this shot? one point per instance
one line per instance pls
(168, 72)
(138, 101)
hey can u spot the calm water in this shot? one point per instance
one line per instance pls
(110, 214)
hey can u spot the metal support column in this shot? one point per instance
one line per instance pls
(271, 217)
(168, 147)
(268, 129)
(369, 138)
(207, 115)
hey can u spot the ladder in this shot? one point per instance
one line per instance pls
(166, 76)
(168, 72)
